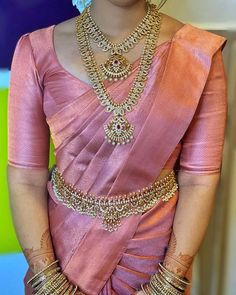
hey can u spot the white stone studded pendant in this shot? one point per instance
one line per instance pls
(116, 67)
(118, 131)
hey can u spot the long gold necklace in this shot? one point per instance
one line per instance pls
(117, 66)
(119, 130)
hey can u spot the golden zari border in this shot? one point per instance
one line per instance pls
(111, 209)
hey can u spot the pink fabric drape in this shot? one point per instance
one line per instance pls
(179, 122)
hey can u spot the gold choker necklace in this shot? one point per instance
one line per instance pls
(117, 66)
(119, 130)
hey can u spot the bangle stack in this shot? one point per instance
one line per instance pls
(165, 283)
(51, 281)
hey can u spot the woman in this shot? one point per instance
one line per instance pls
(138, 128)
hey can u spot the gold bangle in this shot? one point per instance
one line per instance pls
(142, 289)
(54, 285)
(42, 286)
(160, 287)
(66, 287)
(156, 286)
(43, 277)
(61, 287)
(39, 287)
(69, 290)
(74, 291)
(51, 281)
(182, 280)
(166, 284)
(174, 282)
(145, 289)
(47, 267)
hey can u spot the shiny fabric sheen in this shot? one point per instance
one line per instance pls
(179, 124)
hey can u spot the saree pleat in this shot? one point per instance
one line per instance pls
(137, 261)
(139, 258)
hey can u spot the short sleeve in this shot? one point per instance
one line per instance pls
(202, 144)
(28, 132)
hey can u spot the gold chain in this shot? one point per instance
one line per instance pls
(119, 130)
(98, 37)
(111, 209)
(117, 66)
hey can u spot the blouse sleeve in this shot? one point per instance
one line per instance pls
(28, 132)
(202, 145)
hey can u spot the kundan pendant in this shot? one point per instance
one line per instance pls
(119, 130)
(116, 67)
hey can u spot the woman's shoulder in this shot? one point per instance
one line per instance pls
(38, 41)
(36, 45)
(41, 38)
(195, 36)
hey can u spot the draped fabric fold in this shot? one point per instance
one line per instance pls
(107, 263)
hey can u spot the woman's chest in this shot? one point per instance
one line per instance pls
(63, 86)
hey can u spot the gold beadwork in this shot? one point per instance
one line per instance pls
(117, 66)
(111, 209)
(117, 134)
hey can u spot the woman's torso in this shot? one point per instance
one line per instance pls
(75, 118)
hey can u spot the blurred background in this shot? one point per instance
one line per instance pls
(214, 268)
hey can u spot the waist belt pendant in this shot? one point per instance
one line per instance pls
(111, 209)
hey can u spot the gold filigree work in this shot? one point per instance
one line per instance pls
(117, 66)
(112, 208)
(112, 134)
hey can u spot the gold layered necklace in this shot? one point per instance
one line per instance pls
(119, 130)
(117, 66)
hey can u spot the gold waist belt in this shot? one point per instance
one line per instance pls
(111, 209)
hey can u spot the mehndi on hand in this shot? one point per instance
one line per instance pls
(165, 282)
(52, 281)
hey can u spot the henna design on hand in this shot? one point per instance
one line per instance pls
(40, 258)
(174, 261)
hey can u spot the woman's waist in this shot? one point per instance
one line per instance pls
(112, 208)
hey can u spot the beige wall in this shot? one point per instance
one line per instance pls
(213, 13)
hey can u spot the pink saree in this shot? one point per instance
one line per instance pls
(179, 124)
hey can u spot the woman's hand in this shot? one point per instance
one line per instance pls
(29, 205)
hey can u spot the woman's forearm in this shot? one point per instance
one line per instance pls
(194, 208)
(28, 198)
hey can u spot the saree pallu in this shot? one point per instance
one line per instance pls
(186, 74)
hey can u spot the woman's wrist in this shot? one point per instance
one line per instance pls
(177, 265)
(177, 259)
(40, 254)
(52, 281)
(165, 282)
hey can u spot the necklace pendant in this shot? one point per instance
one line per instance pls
(119, 130)
(117, 67)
